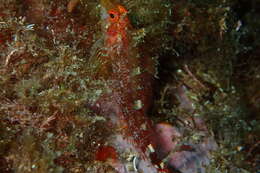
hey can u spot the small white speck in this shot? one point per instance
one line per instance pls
(179, 71)
(134, 164)
(30, 27)
(151, 149)
(239, 24)
(162, 165)
(138, 104)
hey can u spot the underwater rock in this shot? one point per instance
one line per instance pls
(188, 156)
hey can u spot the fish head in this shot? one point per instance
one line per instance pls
(115, 23)
(113, 13)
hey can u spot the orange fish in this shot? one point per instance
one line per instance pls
(116, 61)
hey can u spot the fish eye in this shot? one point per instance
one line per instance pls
(113, 15)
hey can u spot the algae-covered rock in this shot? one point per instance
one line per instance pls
(206, 55)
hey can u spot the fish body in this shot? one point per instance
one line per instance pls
(118, 63)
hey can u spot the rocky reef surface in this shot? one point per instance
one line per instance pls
(206, 79)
